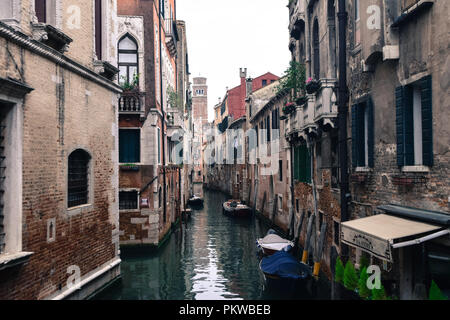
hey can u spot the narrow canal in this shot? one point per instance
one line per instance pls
(212, 257)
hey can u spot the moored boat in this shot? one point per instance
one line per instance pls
(195, 201)
(273, 243)
(283, 273)
(235, 208)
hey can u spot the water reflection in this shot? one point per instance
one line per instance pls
(212, 257)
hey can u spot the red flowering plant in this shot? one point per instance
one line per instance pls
(289, 107)
(312, 85)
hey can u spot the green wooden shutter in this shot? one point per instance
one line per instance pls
(371, 132)
(361, 135)
(399, 110)
(409, 126)
(129, 146)
(427, 120)
(307, 165)
(354, 137)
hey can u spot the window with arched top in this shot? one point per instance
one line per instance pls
(78, 178)
(128, 59)
(316, 47)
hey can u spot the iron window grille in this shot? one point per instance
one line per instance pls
(78, 174)
(2, 186)
(128, 200)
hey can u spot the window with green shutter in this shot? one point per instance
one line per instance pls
(129, 145)
(414, 123)
(363, 134)
(302, 164)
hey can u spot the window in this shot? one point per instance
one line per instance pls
(280, 202)
(128, 59)
(316, 48)
(200, 92)
(158, 138)
(264, 83)
(128, 200)
(98, 29)
(159, 197)
(40, 7)
(297, 207)
(335, 169)
(336, 232)
(78, 178)
(357, 23)
(363, 135)
(129, 145)
(268, 128)
(276, 119)
(272, 81)
(302, 164)
(280, 165)
(414, 121)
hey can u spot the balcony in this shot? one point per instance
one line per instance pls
(131, 102)
(170, 28)
(320, 110)
(326, 110)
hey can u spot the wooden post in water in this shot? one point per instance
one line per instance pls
(319, 250)
(308, 239)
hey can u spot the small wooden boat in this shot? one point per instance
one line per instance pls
(186, 214)
(272, 243)
(235, 208)
(195, 201)
(284, 274)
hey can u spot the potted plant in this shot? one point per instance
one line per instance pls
(292, 82)
(363, 290)
(312, 86)
(288, 108)
(302, 100)
(350, 282)
(132, 85)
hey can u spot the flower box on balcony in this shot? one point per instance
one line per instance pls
(312, 86)
(289, 108)
(129, 167)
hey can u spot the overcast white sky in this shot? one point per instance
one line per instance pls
(224, 36)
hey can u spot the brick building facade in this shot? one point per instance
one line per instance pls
(398, 141)
(151, 120)
(58, 104)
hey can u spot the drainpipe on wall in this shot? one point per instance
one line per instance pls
(342, 117)
(163, 136)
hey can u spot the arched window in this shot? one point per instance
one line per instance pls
(128, 59)
(316, 45)
(332, 37)
(78, 178)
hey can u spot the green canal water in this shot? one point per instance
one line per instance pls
(212, 257)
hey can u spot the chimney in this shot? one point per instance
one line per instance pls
(243, 73)
(249, 87)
